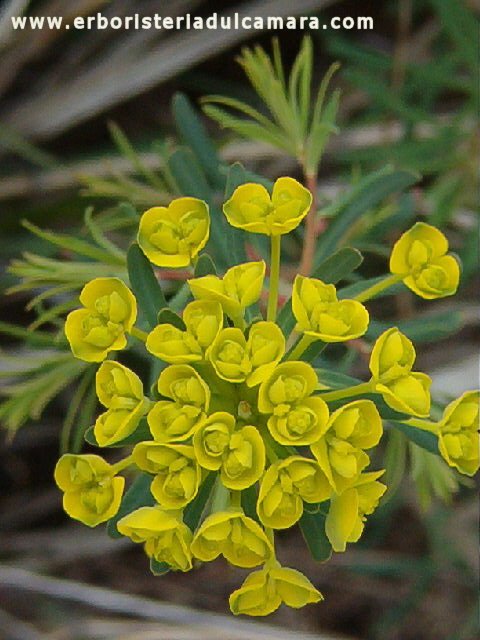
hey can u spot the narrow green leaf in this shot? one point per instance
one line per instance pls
(71, 243)
(138, 495)
(353, 290)
(312, 526)
(372, 194)
(167, 316)
(195, 136)
(205, 266)
(145, 285)
(428, 328)
(424, 439)
(188, 174)
(193, 511)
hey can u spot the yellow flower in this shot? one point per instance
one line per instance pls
(347, 514)
(235, 536)
(419, 256)
(252, 208)
(177, 474)
(92, 493)
(264, 591)
(391, 364)
(285, 485)
(166, 537)
(110, 311)
(458, 433)
(301, 424)
(121, 391)
(203, 320)
(172, 236)
(238, 453)
(355, 426)
(290, 383)
(237, 360)
(239, 288)
(184, 385)
(320, 315)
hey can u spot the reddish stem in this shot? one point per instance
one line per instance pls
(312, 228)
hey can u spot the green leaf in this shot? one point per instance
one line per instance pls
(205, 266)
(353, 290)
(71, 243)
(167, 316)
(249, 502)
(194, 134)
(331, 271)
(424, 439)
(312, 526)
(138, 495)
(188, 174)
(141, 434)
(335, 380)
(428, 328)
(145, 285)
(370, 193)
(193, 511)
(159, 568)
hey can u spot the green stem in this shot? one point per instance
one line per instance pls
(122, 464)
(139, 334)
(363, 387)
(375, 289)
(236, 499)
(274, 277)
(425, 425)
(301, 346)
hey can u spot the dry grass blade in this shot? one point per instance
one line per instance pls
(148, 609)
(55, 109)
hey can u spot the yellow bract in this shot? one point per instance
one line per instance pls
(347, 514)
(458, 440)
(203, 320)
(172, 236)
(290, 383)
(239, 288)
(264, 591)
(237, 359)
(166, 538)
(419, 256)
(235, 536)
(238, 453)
(252, 208)
(121, 392)
(110, 311)
(352, 428)
(285, 485)
(92, 493)
(320, 315)
(176, 419)
(391, 364)
(177, 474)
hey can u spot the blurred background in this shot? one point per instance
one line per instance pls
(86, 121)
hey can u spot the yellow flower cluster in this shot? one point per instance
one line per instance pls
(236, 404)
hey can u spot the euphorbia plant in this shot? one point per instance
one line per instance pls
(241, 436)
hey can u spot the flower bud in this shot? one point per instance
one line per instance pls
(177, 475)
(166, 538)
(239, 288)
(92, 494)
(235, 536)
(458, 433)
(320, 315)
(285, 485)
(110, 310)
(264, 591)
(172, 236)
(253, 209)
(419, 256)
(239, 454)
